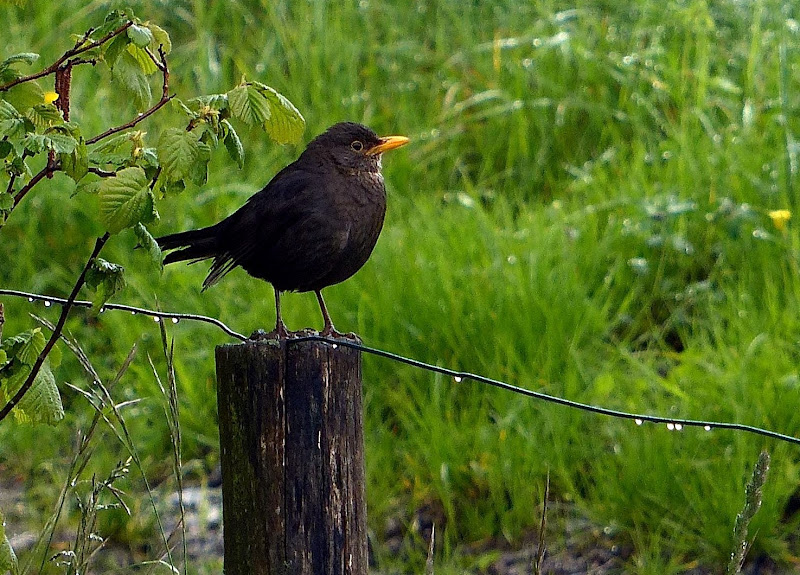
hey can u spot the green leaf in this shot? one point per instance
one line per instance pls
(126, 199)
(5, 149)
(24, 96)
(76, 163)
(26, 57)
(6, 201)
(149, 243)
(140, 35)
(248, 104)
(285, 124)
(113, 20)
(44, 115)
(58, 143)
(180, 152)
(233, 144)
(88, 187)
(128, 73)
(217, 102)
(25, 346)
(107, 279)
(114, 143)
(42, 402)
(8, 560)
(114, 49)
(12, 123)
(146, 63)
(160, 38)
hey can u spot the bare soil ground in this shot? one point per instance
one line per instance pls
(575, 546)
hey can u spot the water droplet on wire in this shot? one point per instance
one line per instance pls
(30, 299)
(678, 426)
(458, 379)
(133, 312)
(707, 427)
(638, 421)
(156, 319)
(335, 346)
(671, 426)
(176, 319)
(47, 303)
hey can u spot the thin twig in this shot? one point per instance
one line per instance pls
(79, 48)
(13, 178)
(538, 561)
(43, 173)
(101, 173)
(165, 97)
(37, 366)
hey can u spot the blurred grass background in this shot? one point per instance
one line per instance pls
(584, 210)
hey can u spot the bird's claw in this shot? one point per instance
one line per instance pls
(279, 333)
(330, 332)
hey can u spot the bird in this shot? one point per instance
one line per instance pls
(313, 225)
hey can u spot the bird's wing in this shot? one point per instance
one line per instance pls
(273, 219)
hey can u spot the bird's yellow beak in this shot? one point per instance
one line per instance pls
(387, 143)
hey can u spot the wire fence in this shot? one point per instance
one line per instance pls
(671, 423)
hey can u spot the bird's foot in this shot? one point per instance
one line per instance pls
(280, 332)
(330, 332)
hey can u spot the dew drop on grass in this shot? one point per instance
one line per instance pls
(638, 421)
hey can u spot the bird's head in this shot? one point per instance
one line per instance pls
(353, 147)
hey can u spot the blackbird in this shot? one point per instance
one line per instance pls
(313, 225)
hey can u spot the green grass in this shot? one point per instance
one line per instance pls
(583, 211)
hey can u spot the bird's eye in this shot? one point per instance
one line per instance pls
(357, 146)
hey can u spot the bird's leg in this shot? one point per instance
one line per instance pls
(281, 332)
(328, 330)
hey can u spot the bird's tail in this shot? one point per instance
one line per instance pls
(192, 245)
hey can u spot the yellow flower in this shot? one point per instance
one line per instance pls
(779, 218)
(50, 97)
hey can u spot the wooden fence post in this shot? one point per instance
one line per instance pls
(292, 452)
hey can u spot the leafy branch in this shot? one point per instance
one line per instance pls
(37, 366)
(81, 46)
(119, 165)
(165, 97)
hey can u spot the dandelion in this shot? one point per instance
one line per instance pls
(779, 218)
(50, 97)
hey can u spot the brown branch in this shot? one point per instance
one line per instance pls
(102, 173)
(78, 49)
(165, 97)
(13, 178)
(43, 173)
(37, 366)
